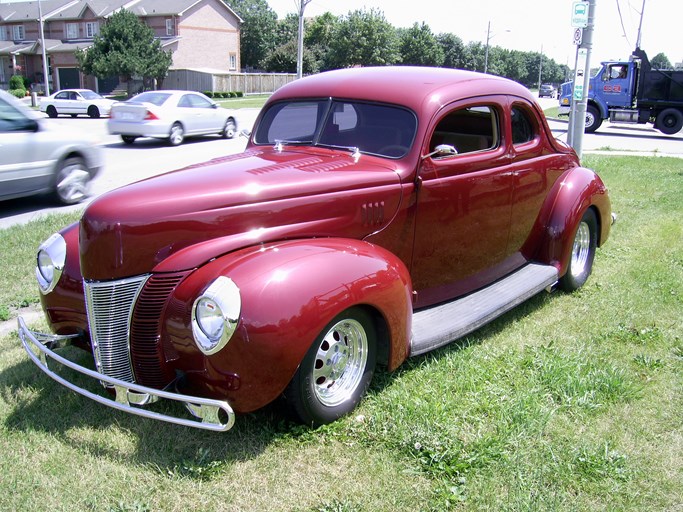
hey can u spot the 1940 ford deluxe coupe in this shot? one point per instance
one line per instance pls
(376, 214)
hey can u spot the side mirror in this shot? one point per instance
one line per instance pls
(245, 133)
(442, 150)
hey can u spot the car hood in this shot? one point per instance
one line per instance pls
(180, 220)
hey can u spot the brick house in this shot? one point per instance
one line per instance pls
(199, 33)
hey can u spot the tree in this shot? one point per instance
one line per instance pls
(257, 34)
(660, 61)
(320, 34)
(363, 38)
(125, 47)
(420, 47)
(453, 50)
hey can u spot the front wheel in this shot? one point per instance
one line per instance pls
(593, 119)
(93, 112)
(583, 253)
(336, 371)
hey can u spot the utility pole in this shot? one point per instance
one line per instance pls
(486, 56)
(42, 47)
(577, 115)
(540, 68)
(300, 46)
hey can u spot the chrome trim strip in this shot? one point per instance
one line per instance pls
(127, 394)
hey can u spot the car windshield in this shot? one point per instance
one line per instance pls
(90, 95)
(377, 129)
(153, 97)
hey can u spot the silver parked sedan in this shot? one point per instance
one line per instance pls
(75, 102)
(34, 158)
(171, 115)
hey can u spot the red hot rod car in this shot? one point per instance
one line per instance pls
(375, 214)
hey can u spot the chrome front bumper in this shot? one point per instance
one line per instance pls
(129, 397)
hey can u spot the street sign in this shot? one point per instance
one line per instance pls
(578, 36)
(579, 14)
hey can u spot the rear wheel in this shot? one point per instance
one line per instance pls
(72, 181)
(230, 129)
(669, 121)
(93, 112)
(128, 139)
(336, 371)
(51, 111)
(593, 119)
(177, 135)
(583, 253)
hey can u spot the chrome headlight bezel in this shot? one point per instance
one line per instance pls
(50, 261)
(215, 315)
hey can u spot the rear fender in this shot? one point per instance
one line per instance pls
(289, 292)
(553, 234)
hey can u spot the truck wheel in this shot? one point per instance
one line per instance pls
(669, 121)
(583, 253)
(336, 371)
(593, 119)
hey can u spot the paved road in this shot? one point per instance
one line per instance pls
(148, 157)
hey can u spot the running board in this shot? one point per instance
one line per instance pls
(439, 325)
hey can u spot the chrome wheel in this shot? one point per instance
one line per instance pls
(336, 371)
(177, 134)
(72, 181)
(580, 250)
(340, 362)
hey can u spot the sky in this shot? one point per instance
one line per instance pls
(529, 25)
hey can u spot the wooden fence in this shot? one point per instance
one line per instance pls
(248, 83)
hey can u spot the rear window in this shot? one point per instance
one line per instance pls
(153, 97)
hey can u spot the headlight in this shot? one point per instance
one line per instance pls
(50, 262)
(215, 315)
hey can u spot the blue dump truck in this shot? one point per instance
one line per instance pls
(632, 92)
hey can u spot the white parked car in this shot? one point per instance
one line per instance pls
(171, 115)
(75, 102)
(36, 158)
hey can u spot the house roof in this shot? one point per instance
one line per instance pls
(73, 9)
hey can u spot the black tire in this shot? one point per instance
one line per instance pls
(177, 135)
(584, 244)
(128, 139)
(93, 112)
(593, 119)
(51, 111)
(73, 115)
(669, 121)
(336, 371)
(230, 129)
(72, 181)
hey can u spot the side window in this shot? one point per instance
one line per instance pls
(468, 130)
(11, 120)
(522, 127)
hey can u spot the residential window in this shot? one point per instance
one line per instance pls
(3, 34)
(92, 28)
(18, 32)
(72, 30)
(233, 61)
(170, 29)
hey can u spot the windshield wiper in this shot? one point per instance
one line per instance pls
(280, 144)
(355, 150)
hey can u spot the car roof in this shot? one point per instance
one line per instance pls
(412, 86)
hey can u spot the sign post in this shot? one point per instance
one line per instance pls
(583, 20)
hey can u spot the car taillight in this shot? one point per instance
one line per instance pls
(150, 116)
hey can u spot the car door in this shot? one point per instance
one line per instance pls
(23, 166)
(616, 85)
(463, 203)
(199, 113)
(64, 103)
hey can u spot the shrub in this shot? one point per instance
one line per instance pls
(16, 82)
(208, 94)
(239, 94)
(18, 93)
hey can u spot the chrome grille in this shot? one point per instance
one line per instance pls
(110, 307)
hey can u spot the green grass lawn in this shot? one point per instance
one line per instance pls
(571, 402)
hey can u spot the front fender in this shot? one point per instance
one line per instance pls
(289, 292)
(553, 234)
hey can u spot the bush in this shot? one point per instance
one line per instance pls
(208, 94)
(16, 82)
(239, 94)
(19, 93)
